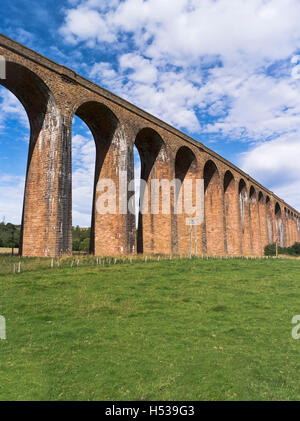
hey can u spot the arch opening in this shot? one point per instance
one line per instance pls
(39, 219)
(269, 218)
(228, 180)
(14, 138)
(262, 221)
(105, 152)
(187, 238)
(231, 215)
(243, 202)
(153, 165)
(252, 193)
(279, 228)
(137, 184)
(83, 174)
(255, 222)
(185, 163)
(213, 204)
(244, 210)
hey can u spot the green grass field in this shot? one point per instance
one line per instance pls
(172, 330)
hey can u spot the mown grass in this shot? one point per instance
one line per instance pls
(172, 330)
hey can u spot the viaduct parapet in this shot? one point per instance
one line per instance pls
(240, 215)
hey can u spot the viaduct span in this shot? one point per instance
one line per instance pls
(240, 215)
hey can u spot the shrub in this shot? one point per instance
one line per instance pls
(85, 245)
(76, 245)
(294, 250)
(270, 250)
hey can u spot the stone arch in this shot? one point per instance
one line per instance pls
(231, 215)
(188, 239)
(279, 230)
(111, 228)
(154, 221)
(213, 205)
(246, 247)
(254, 222)
(43, 216)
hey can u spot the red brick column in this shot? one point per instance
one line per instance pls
(46, 226)
(269, 221)
(245, 220)
(279, 229)
(291, 229)
(255, 226)
(295, 228)
(46, 223)
(262, 222)
(214, 222)
(286, 227)
(113, 228)
(231, 216)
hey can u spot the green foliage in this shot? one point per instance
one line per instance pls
(173, 330)
(270, 250)
(9, 235)
(80, 239)
(85, 245)
(294, 250)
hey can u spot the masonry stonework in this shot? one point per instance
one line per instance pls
(240, 215)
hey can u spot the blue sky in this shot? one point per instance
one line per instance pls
(224, 72)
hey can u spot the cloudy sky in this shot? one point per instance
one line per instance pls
(226, 72)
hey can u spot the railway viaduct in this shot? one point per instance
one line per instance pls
(240, 215)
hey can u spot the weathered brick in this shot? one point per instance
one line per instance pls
(241, 216)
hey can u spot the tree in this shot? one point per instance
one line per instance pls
(85, 245)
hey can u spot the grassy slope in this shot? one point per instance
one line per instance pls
(180, 330)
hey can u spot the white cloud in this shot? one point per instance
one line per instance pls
(143, 70)
(191, 35)
(276, 163)
(11, 108)
(191, 28)
(85, 24)
(103, 71)
(168, 95)
(227, 61)
(83, 158)
(11, 197)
